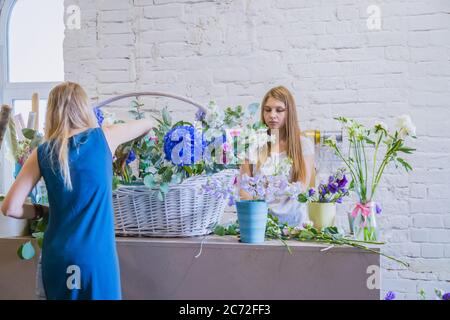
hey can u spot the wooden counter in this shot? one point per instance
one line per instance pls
(160, 268)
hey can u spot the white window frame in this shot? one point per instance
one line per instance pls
(10, 91)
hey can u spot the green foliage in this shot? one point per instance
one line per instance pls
(231, 229)
(329, 235)
(365, 180)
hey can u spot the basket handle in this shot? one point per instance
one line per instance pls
(150, 93)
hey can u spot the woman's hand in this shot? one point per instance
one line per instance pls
(14, 204)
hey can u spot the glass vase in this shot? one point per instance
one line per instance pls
(365, 223)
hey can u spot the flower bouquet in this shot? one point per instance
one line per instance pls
(167, 166)
(365, 180)
(231, 134)
(322, 202)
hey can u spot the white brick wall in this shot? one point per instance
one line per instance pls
(233, 51)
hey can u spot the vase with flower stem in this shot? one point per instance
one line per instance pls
(366, 179)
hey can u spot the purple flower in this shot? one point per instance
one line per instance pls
(311, 192)
(332, 187)
(131, 157)
(389, 296)
(200, 115)
(330, 179)
(323, 190)
(339, 200)
(378, 208)
(99, 115)
(342, 183)
(446, 296)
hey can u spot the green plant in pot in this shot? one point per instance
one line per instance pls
(322, 201)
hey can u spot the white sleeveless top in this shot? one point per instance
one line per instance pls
(288, 210)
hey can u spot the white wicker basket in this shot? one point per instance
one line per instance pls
(186, 210)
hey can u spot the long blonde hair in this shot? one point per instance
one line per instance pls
(291, 131)
(67, 109)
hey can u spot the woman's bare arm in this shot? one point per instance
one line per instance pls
(119, 133)
(14, 204)
(310, 171)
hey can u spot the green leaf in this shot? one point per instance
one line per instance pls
(176, 178)
(29, 133)
(149, 181)
(2, 197)
(188, 170)
(406, 150)
(182, 123)
(160, 196)
(115, 183)
(369, 141)
(405, 164)
(219, 230)
(26, 251)
(164, 187)
(166, 117)
(167, 175)
(303, 198)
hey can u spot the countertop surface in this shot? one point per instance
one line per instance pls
(213, 240)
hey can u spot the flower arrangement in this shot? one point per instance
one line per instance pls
(232, 134)
(172, 152)
(365, 180)
(259, 187)
(331, 191)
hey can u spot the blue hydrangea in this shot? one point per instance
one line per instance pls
(176, 136)
(131, 157)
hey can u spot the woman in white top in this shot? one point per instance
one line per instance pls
(278, 112)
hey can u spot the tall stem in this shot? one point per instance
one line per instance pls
(372, 190)
(365, 166)
(360, 176)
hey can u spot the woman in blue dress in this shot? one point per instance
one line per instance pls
(79, 257)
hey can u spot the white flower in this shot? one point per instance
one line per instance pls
(405, 126)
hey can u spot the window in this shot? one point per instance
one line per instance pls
(31, 60)
(36, 34)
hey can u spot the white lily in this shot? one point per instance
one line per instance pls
(405, 126)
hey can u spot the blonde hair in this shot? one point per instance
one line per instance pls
(291, 130)
(67, 109)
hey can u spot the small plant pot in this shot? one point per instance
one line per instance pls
(252, 216)
(322, 215)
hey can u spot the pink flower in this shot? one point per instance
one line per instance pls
(235, 132)
(226, 147)
(153, 138)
